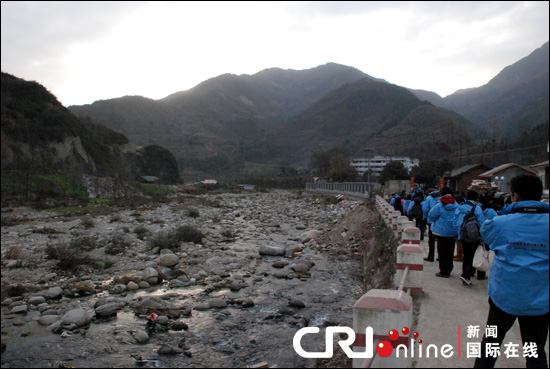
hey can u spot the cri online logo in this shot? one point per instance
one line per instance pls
(383, 349)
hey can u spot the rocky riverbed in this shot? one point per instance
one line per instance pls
(267, 265)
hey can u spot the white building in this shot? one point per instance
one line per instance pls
(209, 182)
(377, 163)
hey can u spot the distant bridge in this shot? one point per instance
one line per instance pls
(355, 189)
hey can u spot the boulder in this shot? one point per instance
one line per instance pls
(78, 317)
(48, 319)
(217, 303)
(54, 293)
(141, 336)
(310, 235)
(272, 250)
(132, 286)
(108, 309)
(36, 300)
(20, 309)
(168, 260)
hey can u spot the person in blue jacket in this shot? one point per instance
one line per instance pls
(414, 211)
(427, 205)
(507, 203)
(406, 203)
(398, 204)
(442, 218)
(468, 248)
(518, 283)
(392, 201)
(486, 200)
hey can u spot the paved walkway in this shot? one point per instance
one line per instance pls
(447, 306)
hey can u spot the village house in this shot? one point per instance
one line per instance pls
(461, 178)
(503, 174)
(542, 170)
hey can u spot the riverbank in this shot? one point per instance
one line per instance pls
(269, 264)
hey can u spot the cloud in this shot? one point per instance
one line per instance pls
(84, 51)
(35, 35)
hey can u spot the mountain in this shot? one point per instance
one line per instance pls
(277, 117)
(367, 113)
(41, 136)
(516, 99)
(208, 126)
(270, 94)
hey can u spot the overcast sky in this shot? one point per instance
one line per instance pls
(87, 51)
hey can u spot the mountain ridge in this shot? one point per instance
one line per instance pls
(370, 109)
(507, 95)
(213, 127)
(213, 121)
(41, 136)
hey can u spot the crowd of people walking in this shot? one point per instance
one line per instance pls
(518, 234)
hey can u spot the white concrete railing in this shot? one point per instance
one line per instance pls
(387, 310)
(361, 189)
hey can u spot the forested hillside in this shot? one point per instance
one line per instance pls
(514, 100)
(41, 136)
(368, 113)
(278, 117)
(210, 126)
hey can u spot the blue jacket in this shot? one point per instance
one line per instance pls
(413, 204)
(519, 274)
(409, 209)
(489, 213)
(504, 209)
(442, 219)
(406, 204)
(429, 203)
(461, 212)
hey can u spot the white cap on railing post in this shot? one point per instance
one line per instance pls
(410, 235)
(384, 311)
(410, 255)
(406, 224)
(400, 220)
(394, 216)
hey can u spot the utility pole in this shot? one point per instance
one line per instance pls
(460, 154)
(495, 124)
(368, 150)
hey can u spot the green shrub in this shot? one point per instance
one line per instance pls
(117, 245)
(141, 232)
(193, 213)
(12, 221)
(189, 234)
(102, 264)
(46, 230)
(87, 222)
(68, 257)
(85, 243)
(14, 253)
(210, 203)
(114, 218)
(154, 191)
(164, 240)
(172, 240)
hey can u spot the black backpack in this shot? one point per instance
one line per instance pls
(469, 231)
(397, 204)
(416, 212)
